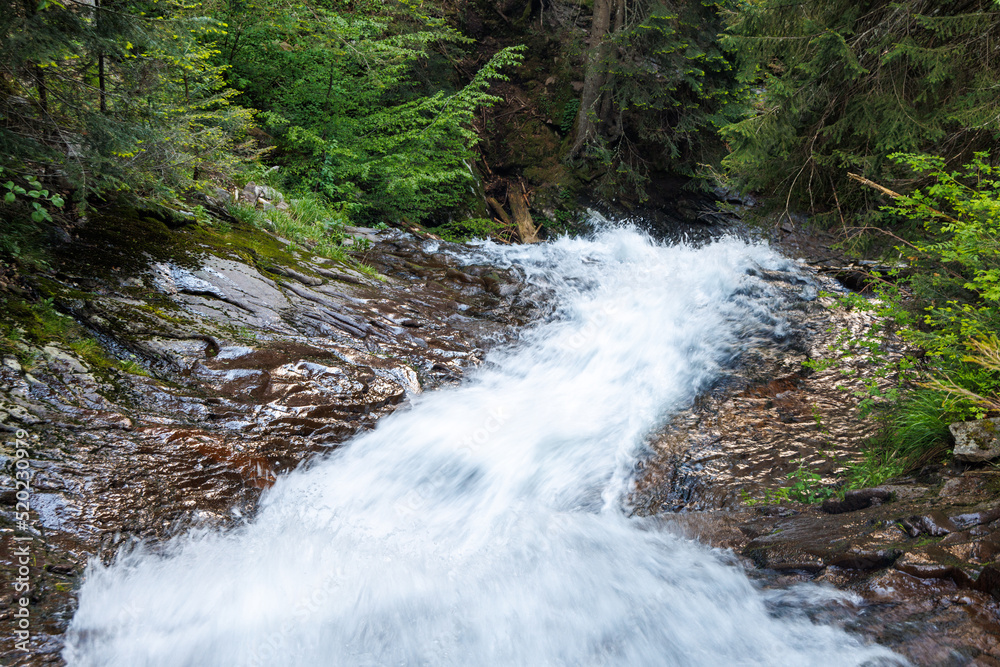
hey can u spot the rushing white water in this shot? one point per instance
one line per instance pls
(484, 526)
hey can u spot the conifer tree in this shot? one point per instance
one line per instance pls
(341, 100)
(842, 85)
(117, 97)
(658, 85)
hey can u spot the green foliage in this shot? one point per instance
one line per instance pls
(309, 222)
(841, 85)
(806, 487)
(569, 113)
(668, 87)
(955, 275)
(880, 462)
(27, 325)
(343, 102)
(115, 99)
(946, 303)
(37, 197)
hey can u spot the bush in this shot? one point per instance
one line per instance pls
(945, 304)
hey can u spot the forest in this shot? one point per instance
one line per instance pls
(499, 331)
(407, 113)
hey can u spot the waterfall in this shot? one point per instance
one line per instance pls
(484, 524)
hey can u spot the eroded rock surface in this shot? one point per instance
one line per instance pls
(237, 366)
(920, 552)
(976, 441)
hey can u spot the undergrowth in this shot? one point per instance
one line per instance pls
(308, 221)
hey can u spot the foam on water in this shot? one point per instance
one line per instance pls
(484, 525)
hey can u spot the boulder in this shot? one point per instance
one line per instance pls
(856, 499)
(250, 194)
(219, 197)
(269, 193)
(976, 441)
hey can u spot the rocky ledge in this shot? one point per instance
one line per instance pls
(919, 554)
(224, 359)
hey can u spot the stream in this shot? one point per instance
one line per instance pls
(487, 523)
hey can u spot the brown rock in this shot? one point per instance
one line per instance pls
(989, 581)
(854, 500)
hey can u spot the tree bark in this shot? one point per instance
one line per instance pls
(525, 225)
(101, 83)
(586, 126)
(593, 109)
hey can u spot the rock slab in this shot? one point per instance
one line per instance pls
(976, 441)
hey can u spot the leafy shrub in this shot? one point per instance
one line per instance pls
(946, 304)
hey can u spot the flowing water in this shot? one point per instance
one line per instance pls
(485, 524)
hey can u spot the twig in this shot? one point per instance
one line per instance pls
(895, 195)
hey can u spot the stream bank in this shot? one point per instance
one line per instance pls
(245, 361)
(225, 359)
(919, 552)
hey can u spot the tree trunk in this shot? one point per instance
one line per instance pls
(519, 207)
(101, 83)
(591, 111)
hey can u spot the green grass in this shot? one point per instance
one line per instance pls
(308, 222)
(469, 228)
(914, 432)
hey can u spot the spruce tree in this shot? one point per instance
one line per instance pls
(112, 98)
(842, 85)
(657, 87)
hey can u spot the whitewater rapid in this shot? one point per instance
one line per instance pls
(484, 525)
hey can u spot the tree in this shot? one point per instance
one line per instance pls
(841, 85)
(341, 100)
(118, 98)
(657, 87)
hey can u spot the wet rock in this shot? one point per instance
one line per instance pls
(976, 441)
(989, 581)
(59, 361)
(856, 499)
(932, 562)
(934, 523)
(977, 518)
(365, 233)
(856, 558)
(296, 275)
(245, 379)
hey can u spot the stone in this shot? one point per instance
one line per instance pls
(976, 441)
(62, 362)
(220, 197)
(857, 499)
(249, 195)
(934, 523)
(269, 193)
(989, 581)
(296, 275)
